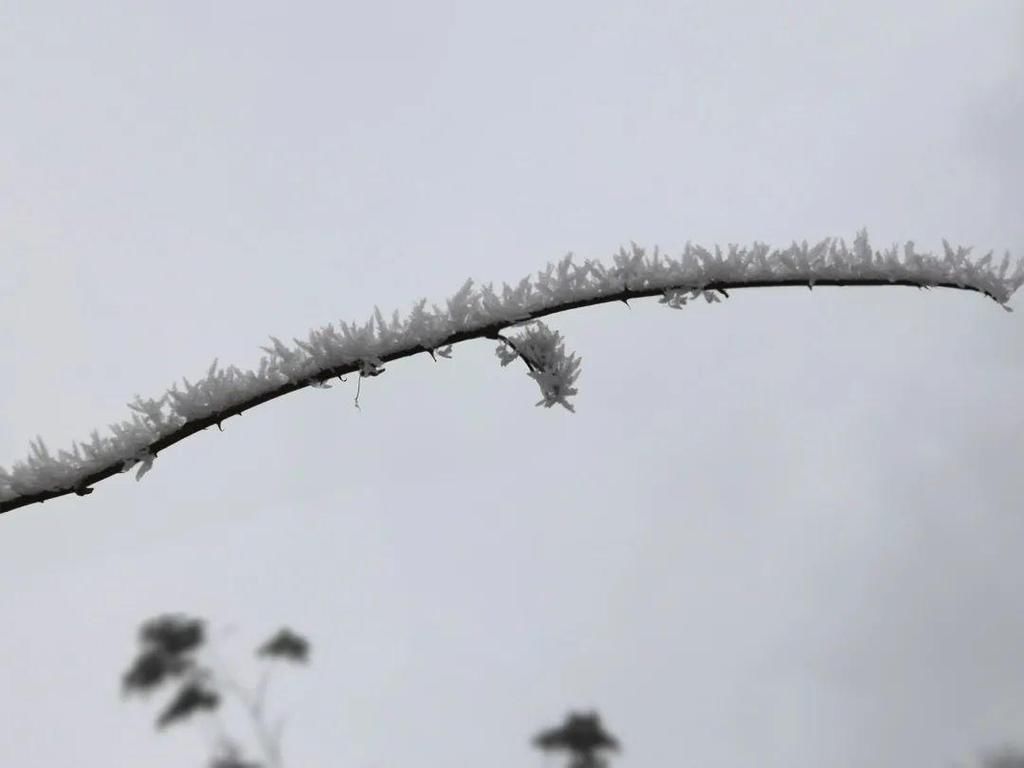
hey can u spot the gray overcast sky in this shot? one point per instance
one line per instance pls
(783, 532)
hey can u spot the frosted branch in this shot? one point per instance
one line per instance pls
(550, 366)
(481, 312)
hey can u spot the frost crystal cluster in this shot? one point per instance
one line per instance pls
(543, 351)
(481, 312)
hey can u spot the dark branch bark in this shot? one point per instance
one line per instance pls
(486, 331)
(512, 345)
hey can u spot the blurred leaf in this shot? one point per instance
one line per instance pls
(151, 668)
(232, 762)
(1004, 758)
(148, 671)
(231, 757)
(286, 645)
(172, 634)
(580, 734)
(191, 698)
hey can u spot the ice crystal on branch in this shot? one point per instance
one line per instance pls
(481, 311)
(676, 298)
(543, 351)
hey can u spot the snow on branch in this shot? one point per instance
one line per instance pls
(476, 312)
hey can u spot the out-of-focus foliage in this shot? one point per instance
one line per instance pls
(173, 635)
(230, 761)
(583, 736)
(168, 647)
(170, 651)
(286, 645)
(191, 697)
(1006, 757)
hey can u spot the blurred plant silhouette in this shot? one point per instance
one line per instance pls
(1006, 757)
(170, 654)
(581, 735)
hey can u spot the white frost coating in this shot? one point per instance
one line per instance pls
(473, 308)
(544, 352)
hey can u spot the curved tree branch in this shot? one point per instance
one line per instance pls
(482, 314)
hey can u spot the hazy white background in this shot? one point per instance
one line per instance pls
(784, 531)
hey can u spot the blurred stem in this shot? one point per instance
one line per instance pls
(253, 703)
